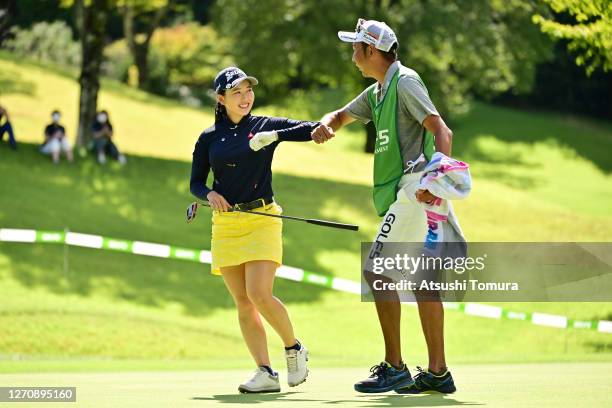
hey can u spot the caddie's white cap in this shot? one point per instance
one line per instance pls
(372, 32)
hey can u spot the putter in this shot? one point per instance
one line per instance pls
(192, 209)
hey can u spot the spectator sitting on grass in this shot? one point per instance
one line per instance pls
(56, 140)
(102, 139)
(6, 127)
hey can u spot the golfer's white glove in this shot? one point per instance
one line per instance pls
(262, 139)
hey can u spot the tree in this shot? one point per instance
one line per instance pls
(590, 37)
(146, 14)
(91, 17)
(91, 22)
(192, 55)
(6, 10)
(461, 49)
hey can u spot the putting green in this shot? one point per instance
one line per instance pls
(510, 385)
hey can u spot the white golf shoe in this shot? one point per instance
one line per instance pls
(297, 369)
(261, 381)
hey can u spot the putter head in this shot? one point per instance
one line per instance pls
(192, 211)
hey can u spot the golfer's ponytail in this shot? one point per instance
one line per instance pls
(220, 113)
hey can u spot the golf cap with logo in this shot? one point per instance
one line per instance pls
(372, 32)
(230, 77)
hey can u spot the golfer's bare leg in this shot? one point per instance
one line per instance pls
(432, 322)
(251, 326)
(259, 285)
(389, 312)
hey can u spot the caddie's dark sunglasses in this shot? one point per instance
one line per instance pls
(360, 23)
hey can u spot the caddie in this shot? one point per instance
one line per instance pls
(409, 129)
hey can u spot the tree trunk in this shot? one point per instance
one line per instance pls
(6, 11)
(92, 30)
(140, 50)
(141, 57)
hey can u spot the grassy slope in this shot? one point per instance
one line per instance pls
(169, 309)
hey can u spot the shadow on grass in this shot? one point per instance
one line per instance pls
(511, 180)
(588, 138)
(12, 83)
(425, 400)
(280, 397)
(146, 201)
(599, 346)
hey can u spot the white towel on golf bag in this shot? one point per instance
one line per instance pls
(447, 179)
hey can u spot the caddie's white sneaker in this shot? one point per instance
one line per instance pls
(297, 369)
(261, 381)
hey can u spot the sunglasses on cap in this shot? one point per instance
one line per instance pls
(359, 26)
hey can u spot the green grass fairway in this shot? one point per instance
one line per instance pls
(520, 385)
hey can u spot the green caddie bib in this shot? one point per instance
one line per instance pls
(388, 167)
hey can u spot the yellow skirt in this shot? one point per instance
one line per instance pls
(239, 237)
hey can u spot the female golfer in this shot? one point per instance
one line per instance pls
(247, 248)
